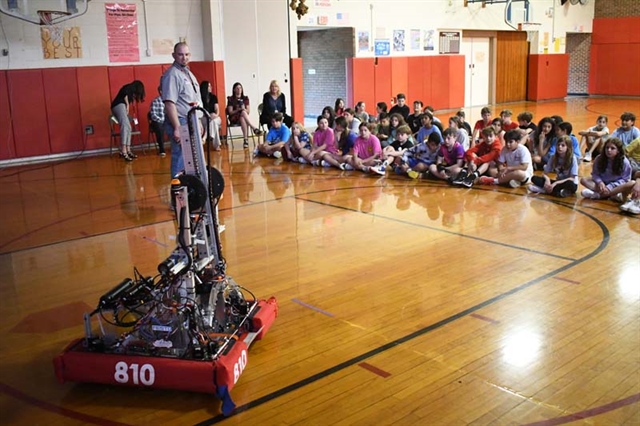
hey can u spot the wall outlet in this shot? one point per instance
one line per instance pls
(5, 52)
(88, 130)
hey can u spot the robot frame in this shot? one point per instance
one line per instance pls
(189, 327)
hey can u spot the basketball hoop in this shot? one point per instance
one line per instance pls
(50, 19)
(531, 28)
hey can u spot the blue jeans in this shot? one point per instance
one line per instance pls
(177, 162)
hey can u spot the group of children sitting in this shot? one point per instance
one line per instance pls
(496, 151)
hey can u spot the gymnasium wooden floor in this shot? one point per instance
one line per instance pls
(401, 302)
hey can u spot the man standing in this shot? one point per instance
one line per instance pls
(180, 92)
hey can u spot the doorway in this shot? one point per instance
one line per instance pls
(477, 54)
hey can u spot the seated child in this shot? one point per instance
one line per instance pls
(383, 130)
(275, 139)
(418, 158)
(514, 163)
(366, 149)
(396, 149)
(463, 136)
(428, 127)
(527, 129)
(592, 137)
(507, 123)
(564, 163)
(564, 129)
(344, 140)
(450, 157)
(323, 142)
(497, 124)
(627, 131)
(299, 139)
(610, 171)
(543, 138)
(480, 124)
(480, 159)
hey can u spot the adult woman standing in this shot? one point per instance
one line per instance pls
(129, 93)
(238, 111)
(210, 103)
(274, 101)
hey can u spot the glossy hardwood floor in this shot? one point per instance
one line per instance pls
(401, 302)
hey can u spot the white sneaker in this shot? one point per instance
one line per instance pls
(587, 193)
(348, 166)
(277, 154)
(514, 183)
(535, 189)
(256, 152)
(587, 157)
(634, 208)
(301, 160)
(379, 170)
(315, 162)
(325, 164)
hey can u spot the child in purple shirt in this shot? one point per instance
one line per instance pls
(450, 157)
(610, 171)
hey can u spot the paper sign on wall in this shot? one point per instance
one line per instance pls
(383, 47)
(363, 41)
(69, 46)
(122, 32)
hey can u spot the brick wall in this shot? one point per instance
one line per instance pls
(616, 8)
(579, 50)
(324, 51)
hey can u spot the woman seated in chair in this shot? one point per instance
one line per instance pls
(129, 93)
(274, 101)
(210, 103)
(238, 112)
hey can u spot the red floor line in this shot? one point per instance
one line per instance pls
(374, 370)
(55, 409)
(588, 413)
(566, 280)
(483, 318)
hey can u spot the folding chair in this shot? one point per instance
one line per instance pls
(230, 135)
(115, 133)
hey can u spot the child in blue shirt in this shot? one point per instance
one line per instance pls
(275, 139)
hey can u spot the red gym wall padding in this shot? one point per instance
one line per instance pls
(361, 79)
(149, 75)
(7, 145)
(548, 76)
(435, 80)
(615, 57)
(29, 114)
(63, 109)
(297, 92)
(95, 104)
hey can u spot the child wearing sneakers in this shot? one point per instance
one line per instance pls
(450, 157)
(480, 159)
(480, 124)
(564, 163)
(418, 158)
(344, 140)
(366, 149)
(593, 136)
(514, 163)
(611, 170)
(527, 129)
(323, 142)
(275, 139)
(396, 149)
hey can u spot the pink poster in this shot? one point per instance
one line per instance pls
(122, 32)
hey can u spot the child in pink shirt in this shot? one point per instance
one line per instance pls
(366, 149)
(323, 142)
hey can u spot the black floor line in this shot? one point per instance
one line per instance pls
(357, 359)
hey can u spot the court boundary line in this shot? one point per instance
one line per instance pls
(418, 333)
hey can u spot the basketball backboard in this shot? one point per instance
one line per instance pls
(27, 10)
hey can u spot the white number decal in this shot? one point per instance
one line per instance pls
(239, 366)
(145, 375)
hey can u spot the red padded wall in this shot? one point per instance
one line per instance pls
(456, 79)
(7, 145)
(382, 81)
(615, 57)
(150, 77)
(400, 76)
(415, 80)
(95, 104)
(297, 90)
(118, 77)
(220, 90)
(63, 109)
(427, 92)
(440, 84)
(362, 81)
(30, 129)
(548, 76)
